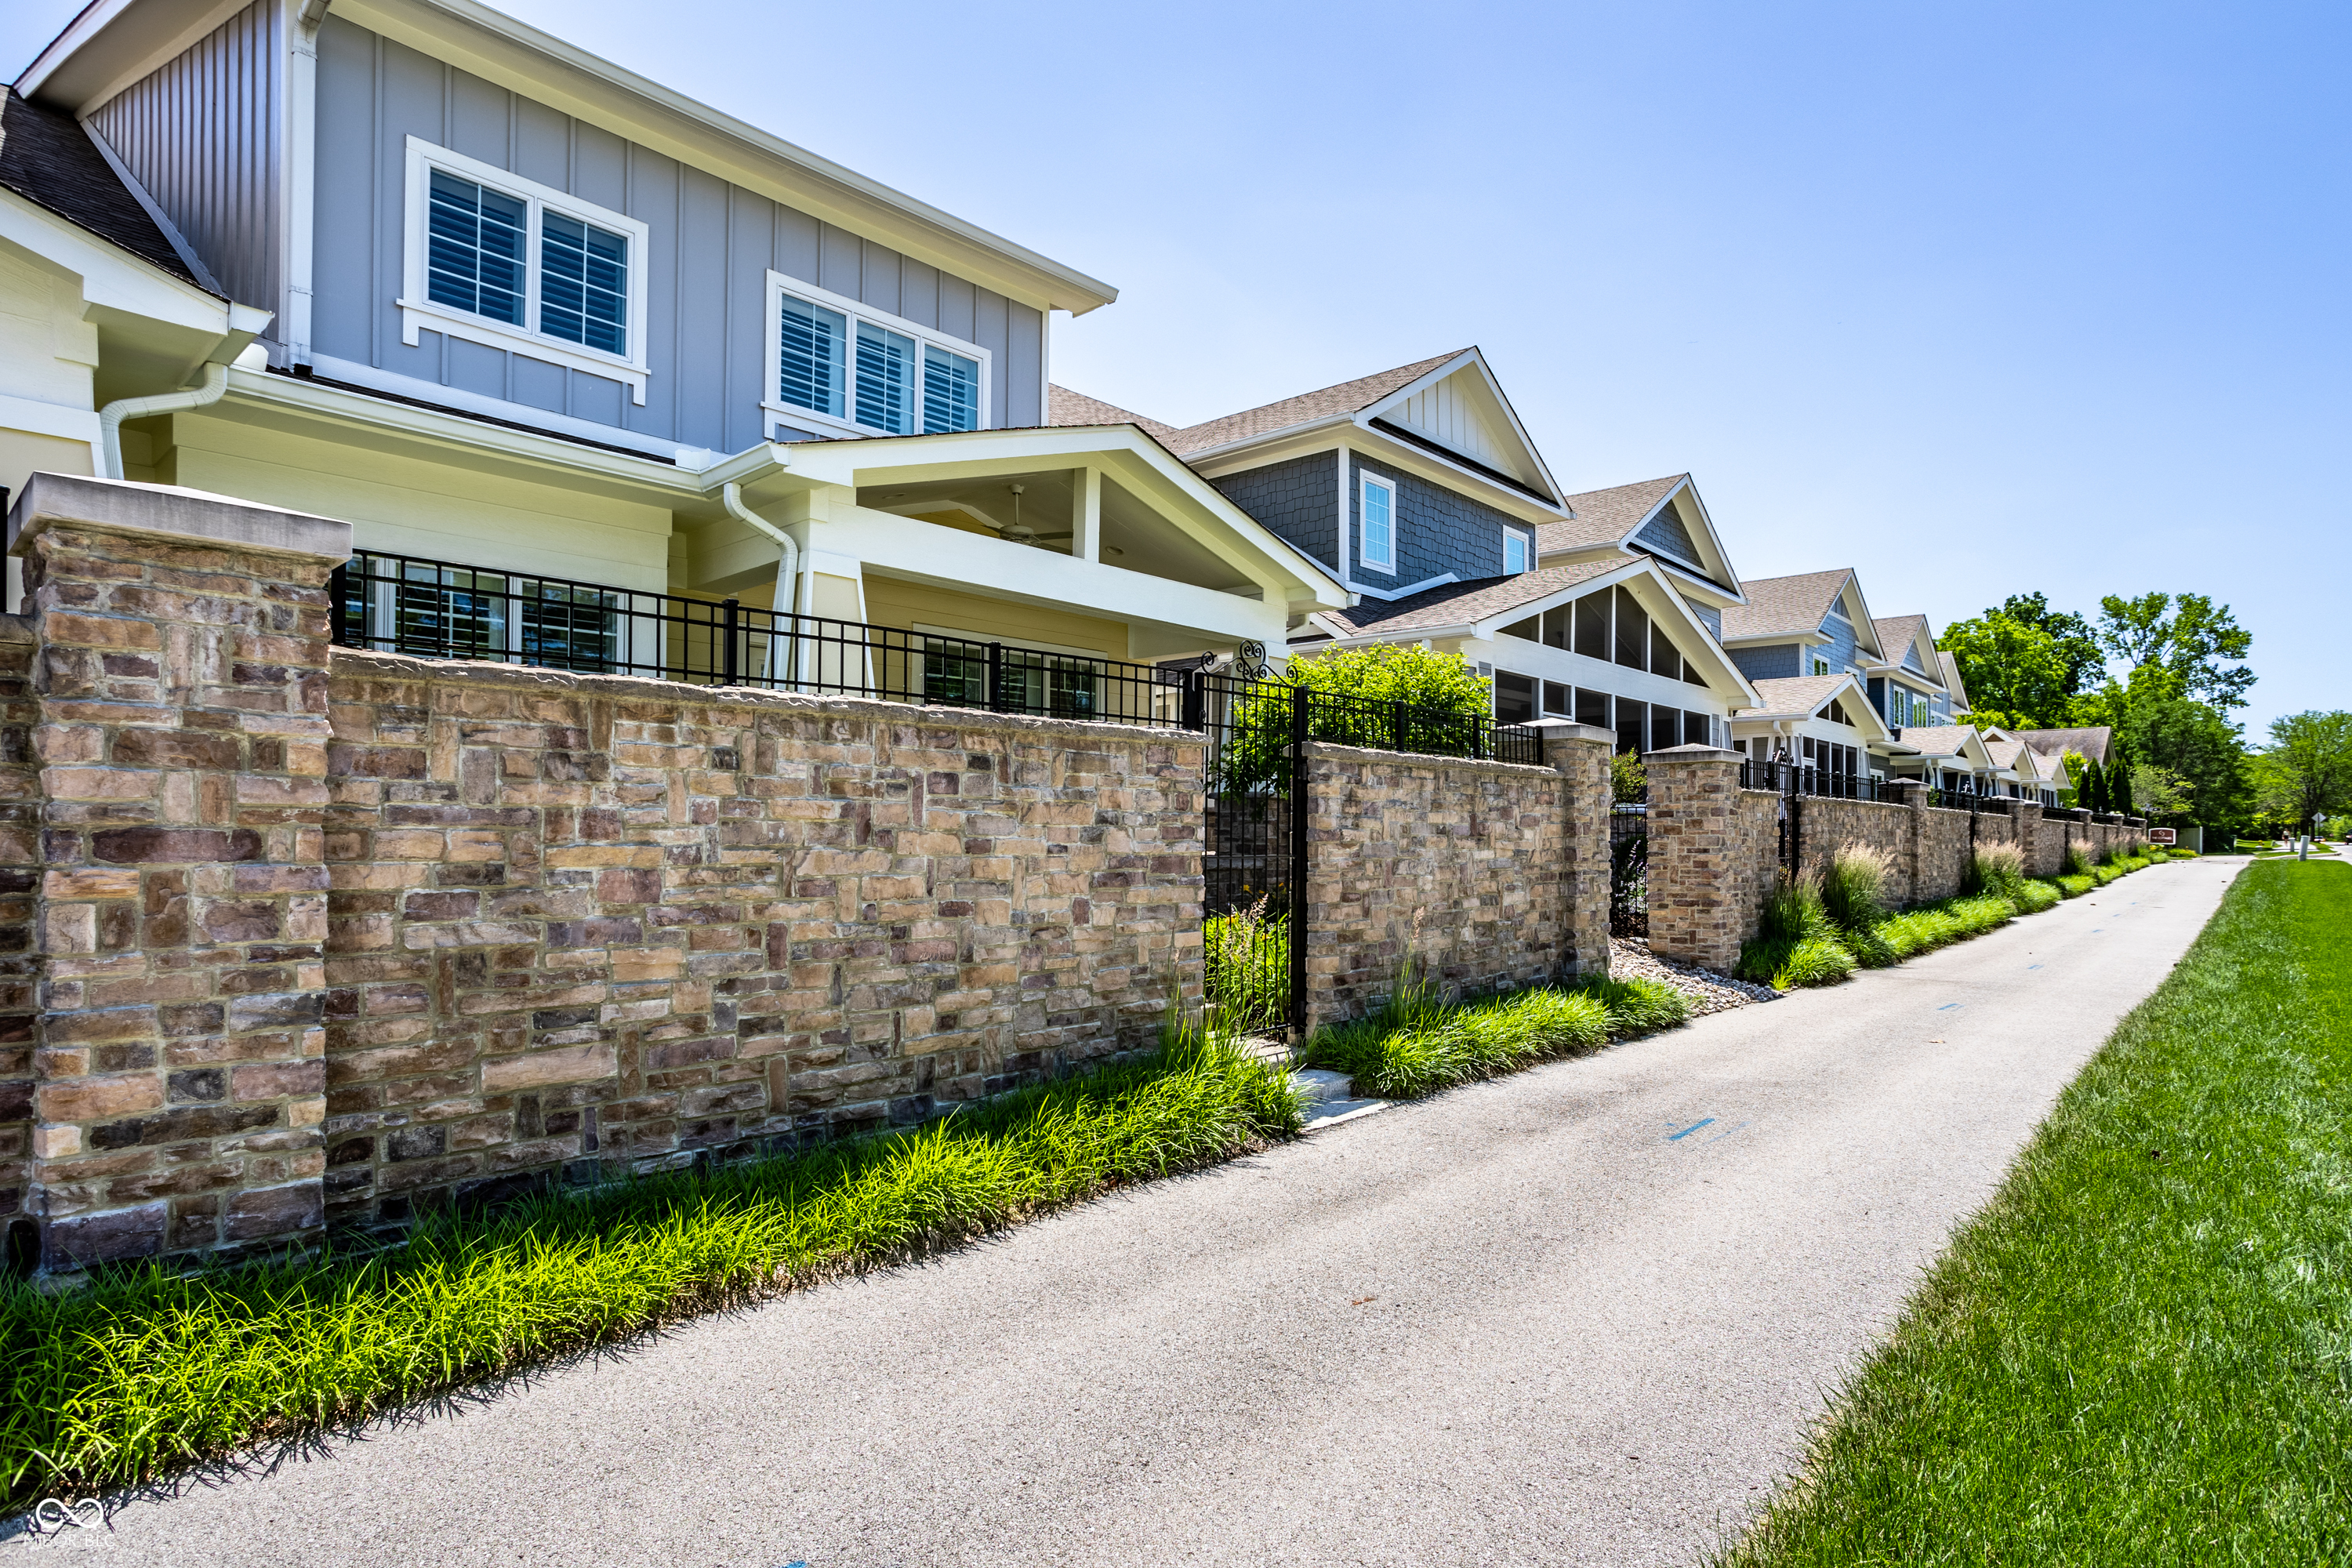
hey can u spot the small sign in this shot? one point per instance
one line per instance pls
(2162, 836)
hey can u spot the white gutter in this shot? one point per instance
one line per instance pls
(110, 418)
(787, 569)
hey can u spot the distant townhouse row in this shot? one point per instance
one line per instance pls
(593, 370)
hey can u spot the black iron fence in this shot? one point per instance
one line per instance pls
(1629, 869)
(1795, 778)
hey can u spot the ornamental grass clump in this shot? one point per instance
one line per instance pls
(2077, 859)
(1853, 893)
(1993, 869)
(1417, 1044)
(1247, 957)
(149, 1368)
(1796, 943)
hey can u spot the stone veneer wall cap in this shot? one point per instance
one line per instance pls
(1694, 755)
(1338, 752)
(1557, 730)
(171, 511)
(372, 664)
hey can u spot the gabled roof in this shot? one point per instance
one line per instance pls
(50, 160)
(1785, 606)
(1951, 669)
(1604, 517)
(1945, 740)
(1063, 406)
(1272, 418)
(1459, 604)
(2091, 743)
(1803, 696)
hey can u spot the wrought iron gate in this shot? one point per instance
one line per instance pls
(1255, 862)
(1629, 869)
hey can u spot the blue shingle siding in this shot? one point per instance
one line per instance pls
(1667, 534)
(1299, 501)
(1877, 687)
(1775, 661)
(1437, 531)
(1713, 618)
(1841, 650)
(1911, 657)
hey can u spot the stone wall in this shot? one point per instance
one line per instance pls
(20, 859)
(1715, 847)
(1470, 870)
(586, 921)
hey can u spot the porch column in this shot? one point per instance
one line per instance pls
(1695, 909)
(180, 723)
(1085, 513)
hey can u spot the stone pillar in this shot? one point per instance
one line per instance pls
(1911, 794)
(1580, 752)
(2025, 820)
(1695, 905)
(181, 729)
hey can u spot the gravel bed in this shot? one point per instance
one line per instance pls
(1631, 958)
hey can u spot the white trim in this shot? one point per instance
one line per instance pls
(1526, 538)
(689, 460)
(417, 311)
(773, 360)
(32, 416)
(155, 214)
(1467, 359)
(1408, 590)
(1364, 558)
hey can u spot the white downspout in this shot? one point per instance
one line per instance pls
(110, 418)
(788, 571)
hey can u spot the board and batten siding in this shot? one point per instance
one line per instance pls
(201, 133)
(712, 245)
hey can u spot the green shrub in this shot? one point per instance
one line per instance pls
(1853, 889)
(2076, 886)
(1814, 961)
(1637, 1007)
(1979, 915)
(1869, 948)
(1794, 909)
(1994, 869)
(1414, 1048)
(1919, 930)
(2031, 897)
(1629, 778)
(1248, 968)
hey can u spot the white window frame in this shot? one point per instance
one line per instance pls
(1526, 545)
(1365, 558)
(779, 412)
(419, 311)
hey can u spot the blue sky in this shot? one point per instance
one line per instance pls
(1979, 299)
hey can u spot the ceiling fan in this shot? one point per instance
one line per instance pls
(1019, 533)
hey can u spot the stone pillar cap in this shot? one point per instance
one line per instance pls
(1568, 730)
(1693, 754)
(170, 511)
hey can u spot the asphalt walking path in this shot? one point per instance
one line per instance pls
(1580, 1315)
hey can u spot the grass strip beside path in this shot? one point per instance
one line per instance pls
(147, 1368)
(2141, 1351)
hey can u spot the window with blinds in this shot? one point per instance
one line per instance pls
(476, 250)
(870, 372)
(583, 284)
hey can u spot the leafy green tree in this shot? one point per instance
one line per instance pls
(1629, 778)
(2195, 742)
(2091, 794)
(2305, 773)
(2076, 643)
(2160, 792)
(1388, 696)
(2186, 635)
(2119, 787)
(2016, 674)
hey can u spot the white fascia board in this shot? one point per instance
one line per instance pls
(952, 558)
(1876, 727)
(1706, 525)
(104, 50)
(62, 420)
(888, 460)
(114, 279)
(1865, 629)
(1437, 469)
(546, 69)
(1467, 358)
(351, 408)
(1317, 436)
(1813, 638)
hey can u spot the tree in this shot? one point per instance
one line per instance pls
(2075, 643)
(2091, 793)
(2189, 636)
(2160, 792)
(2305, 773)
(1396, 696)
(2194, 743)
(2119, 787)
(2016, 673)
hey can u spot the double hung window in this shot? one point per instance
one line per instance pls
(495, 259)
(1516, 556)
(1376, 535)
(842, 367)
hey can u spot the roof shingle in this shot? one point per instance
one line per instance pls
(2091, 742)
(48, 159)
(1347, 397)
(1794, 693)
(1784, 606)
(1063, 406)
(1604, 517)
(1458, 603)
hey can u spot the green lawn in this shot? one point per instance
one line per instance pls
(2141, 1351)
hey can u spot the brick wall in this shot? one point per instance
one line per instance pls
(584, 921)
(1464, 865)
